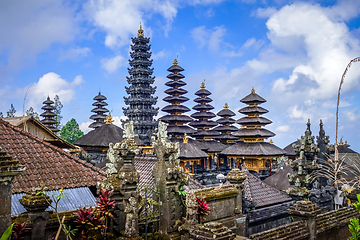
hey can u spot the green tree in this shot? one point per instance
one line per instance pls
(11, 112)
(31, 112)
(71, 131)
(57, 110)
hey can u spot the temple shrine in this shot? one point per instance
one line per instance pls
(49, 115)
(140, 101)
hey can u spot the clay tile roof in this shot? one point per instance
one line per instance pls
(261, 193)
(45, 162)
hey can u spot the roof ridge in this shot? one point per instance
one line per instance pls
(78, 160)
(266, 185)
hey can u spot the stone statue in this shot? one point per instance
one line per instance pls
(131, 218)
(162, 133)
(129, 130)
(191, 205)
(115, 161)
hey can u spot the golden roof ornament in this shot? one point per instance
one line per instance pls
(226, 106)
(140, 32)
(202, 85)
(109, 119)
(175, 62)
(252, 90)
(341, 142)
(185, 139)
(271, 141)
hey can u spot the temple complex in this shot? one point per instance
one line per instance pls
(175, 119)
(99, 111)
(226, 127)
(252, 149)
(140, 101)
(49, 115)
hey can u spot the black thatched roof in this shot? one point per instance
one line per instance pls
(253, 149)
(175, 108)
(345, 149)
(203, 100)
(226, 113)
(175, 68)
(176, 118)
(180, 130)
(173, 99)
(209, 146)
(290, 150)
(253, 132)
(101, 136)
(189, 150)
(256, 109)
(175, 76)
(252, 120)
(203, 92)
(208, 123)
(279, 180)
(253, 98)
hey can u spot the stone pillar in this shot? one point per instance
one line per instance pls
(305, 211)
(8, 170)
(35, 206)
(236, 178)
(168, 177)
(124, 183)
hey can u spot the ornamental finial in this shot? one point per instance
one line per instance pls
(140, 32)
(341, 142)
(226, 106)
(252, 90)
(271, 141)
(109, 119)
(175, 62)
(185, 139)
(202, 85)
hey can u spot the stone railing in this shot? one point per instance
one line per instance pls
(296, 230)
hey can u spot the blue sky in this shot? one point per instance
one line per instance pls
(292, 52)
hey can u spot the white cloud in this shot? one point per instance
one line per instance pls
(297, 113)
(85, 127)
(250, 43)
(283, 128)
(51, 84)
(117, 120)
(159, 55)
(29, 27)
(210, 37)
(74, 53)
(351, 114)
(119, 18)
(265, 12)
(113, 64)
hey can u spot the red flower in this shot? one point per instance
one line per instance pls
(203, 207)
(104, 203)
(18, 230)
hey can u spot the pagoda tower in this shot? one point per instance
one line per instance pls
(99, 111)
(175, 119)
(252, 149)
(226, 127)
(49, 115)
(203, 124)
(140, 103)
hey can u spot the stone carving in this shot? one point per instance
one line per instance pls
(162, 133)
(129, 130)
(131, 217)
(115, 161)
(191, 205)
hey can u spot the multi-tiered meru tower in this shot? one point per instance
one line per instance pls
(140, 103)
(252, 149)
(203, 124)
(226, 127)
(99, 111)
(49, 115)
(175, 119)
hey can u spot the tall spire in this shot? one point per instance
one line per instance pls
(203, 124)
(99, 111)
(252, 125)
(226, 127)
(140, 101)
(49, 115)
(175, 119)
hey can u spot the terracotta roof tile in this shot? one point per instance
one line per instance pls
(45, 163)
